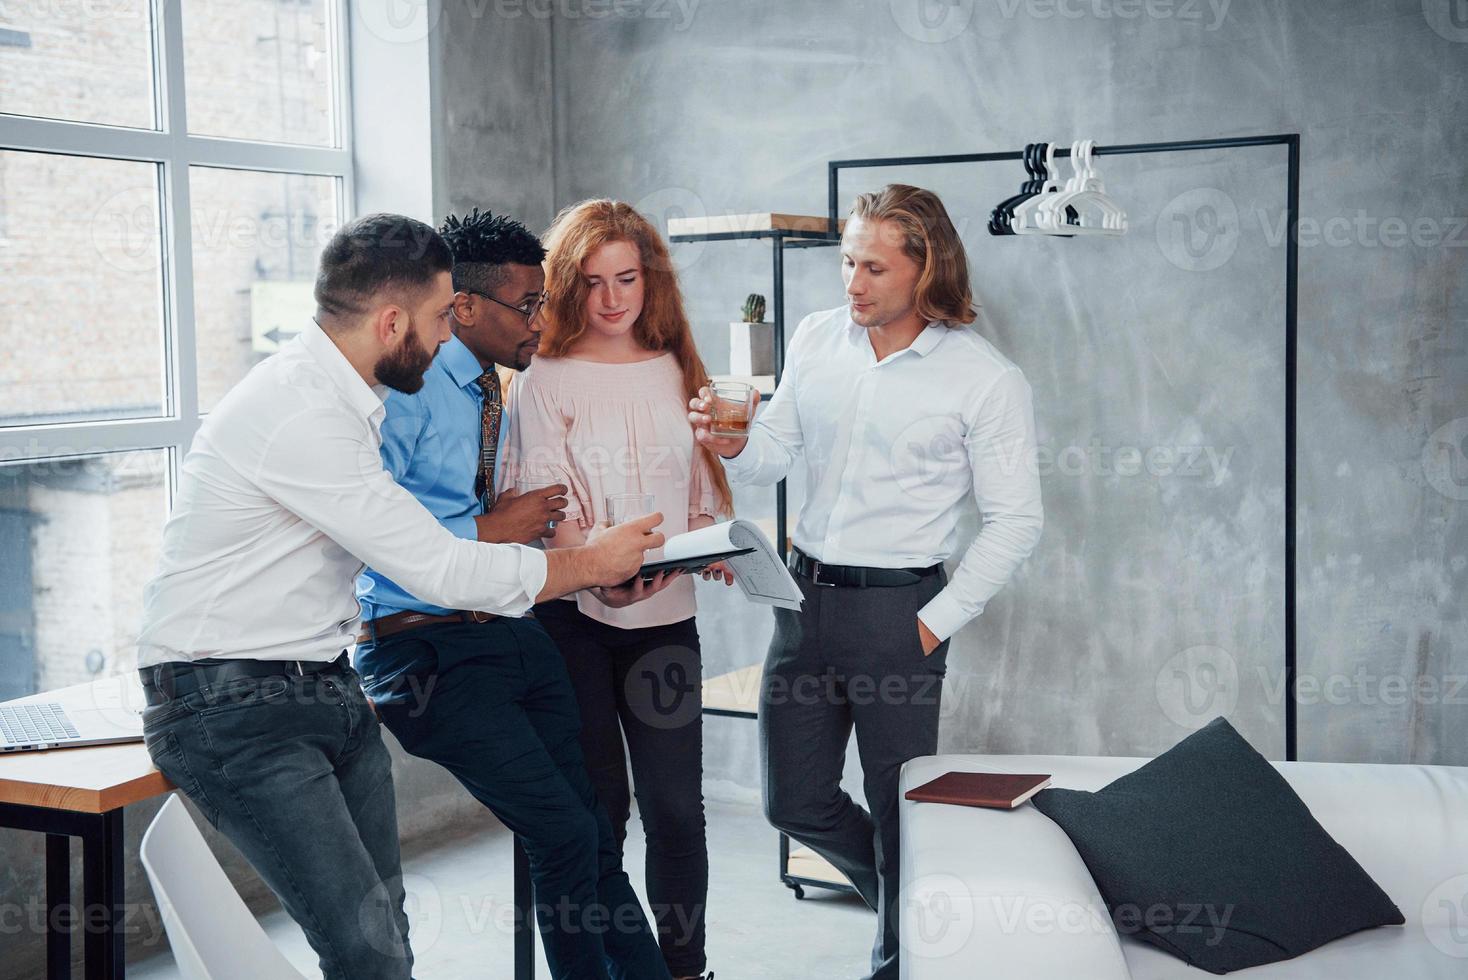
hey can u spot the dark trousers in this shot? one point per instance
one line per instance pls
(850, 659)
(645, 686)
(491, 703)
(294, 772)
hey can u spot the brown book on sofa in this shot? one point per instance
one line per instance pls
(996, 790)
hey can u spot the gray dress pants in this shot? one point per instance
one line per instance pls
(850, 659)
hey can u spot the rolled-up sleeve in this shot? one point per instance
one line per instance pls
(1001, 446)
(324, 466)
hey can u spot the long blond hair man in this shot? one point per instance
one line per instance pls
(902, 414)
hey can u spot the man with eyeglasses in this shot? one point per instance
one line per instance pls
(489, 698)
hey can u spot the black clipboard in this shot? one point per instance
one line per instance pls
(695, 564)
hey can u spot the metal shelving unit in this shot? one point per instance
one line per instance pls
(736, 694)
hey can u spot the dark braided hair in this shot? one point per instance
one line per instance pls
(483, 244)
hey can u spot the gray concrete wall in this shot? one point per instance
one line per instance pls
(497, 111)
(1155, 600)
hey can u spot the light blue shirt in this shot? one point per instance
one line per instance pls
(430, 445)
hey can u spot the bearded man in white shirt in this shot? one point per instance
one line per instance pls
(902, 413)
(254, 710)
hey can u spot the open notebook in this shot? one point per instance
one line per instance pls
(757, 568)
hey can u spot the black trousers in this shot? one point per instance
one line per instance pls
(490, 702)
(850, 659)
(640, 694)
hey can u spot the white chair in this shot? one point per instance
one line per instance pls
(213, 934)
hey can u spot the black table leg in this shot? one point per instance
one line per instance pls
(105, 942)
(524, 917)
(59, 916)
(101, 913)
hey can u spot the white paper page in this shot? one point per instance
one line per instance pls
(760, 575)
(705, 541)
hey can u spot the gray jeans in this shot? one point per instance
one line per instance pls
(294, 772)
(850, 659)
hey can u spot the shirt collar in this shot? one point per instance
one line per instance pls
(461, 364)
(922, 344)
(365, 398)
(931, 336)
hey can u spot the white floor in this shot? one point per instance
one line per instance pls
(460, 905)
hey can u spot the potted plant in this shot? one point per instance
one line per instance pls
(752, 341)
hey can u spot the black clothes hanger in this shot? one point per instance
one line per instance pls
(1003, 213)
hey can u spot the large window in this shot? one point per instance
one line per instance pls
(168, 174)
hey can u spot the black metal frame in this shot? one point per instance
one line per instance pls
(831, 236)
(782, 239)
(1291, 141)
(524, 915)
(103, 942)
(730, 713)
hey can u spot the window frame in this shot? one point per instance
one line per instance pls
(173, 151)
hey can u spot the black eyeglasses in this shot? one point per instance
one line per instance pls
(527, 310)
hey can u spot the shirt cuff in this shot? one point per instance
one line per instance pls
(741, 468)
(533, 570)
(462, 527)
(943, 616)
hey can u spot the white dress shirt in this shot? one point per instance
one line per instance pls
(894, 448)
(283, 500)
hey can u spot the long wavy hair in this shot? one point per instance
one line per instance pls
(573, 237)
(930, 240)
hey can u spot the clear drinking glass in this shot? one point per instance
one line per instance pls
(732, 408)
(622, 507)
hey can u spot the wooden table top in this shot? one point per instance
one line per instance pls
(737, 690)
(91, 779)
(98, 778)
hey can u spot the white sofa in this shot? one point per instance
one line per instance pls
(1003, 894)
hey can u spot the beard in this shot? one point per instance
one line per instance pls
(403, 369)
(879, 316)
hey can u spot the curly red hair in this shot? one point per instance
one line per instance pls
(573, 237)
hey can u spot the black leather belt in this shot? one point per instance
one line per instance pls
(856, 576)
(164, 682)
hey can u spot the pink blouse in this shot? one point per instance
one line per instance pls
(613, 428)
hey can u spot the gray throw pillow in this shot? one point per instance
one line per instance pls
(1207, 853)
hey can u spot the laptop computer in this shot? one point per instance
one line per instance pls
(34, 725)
